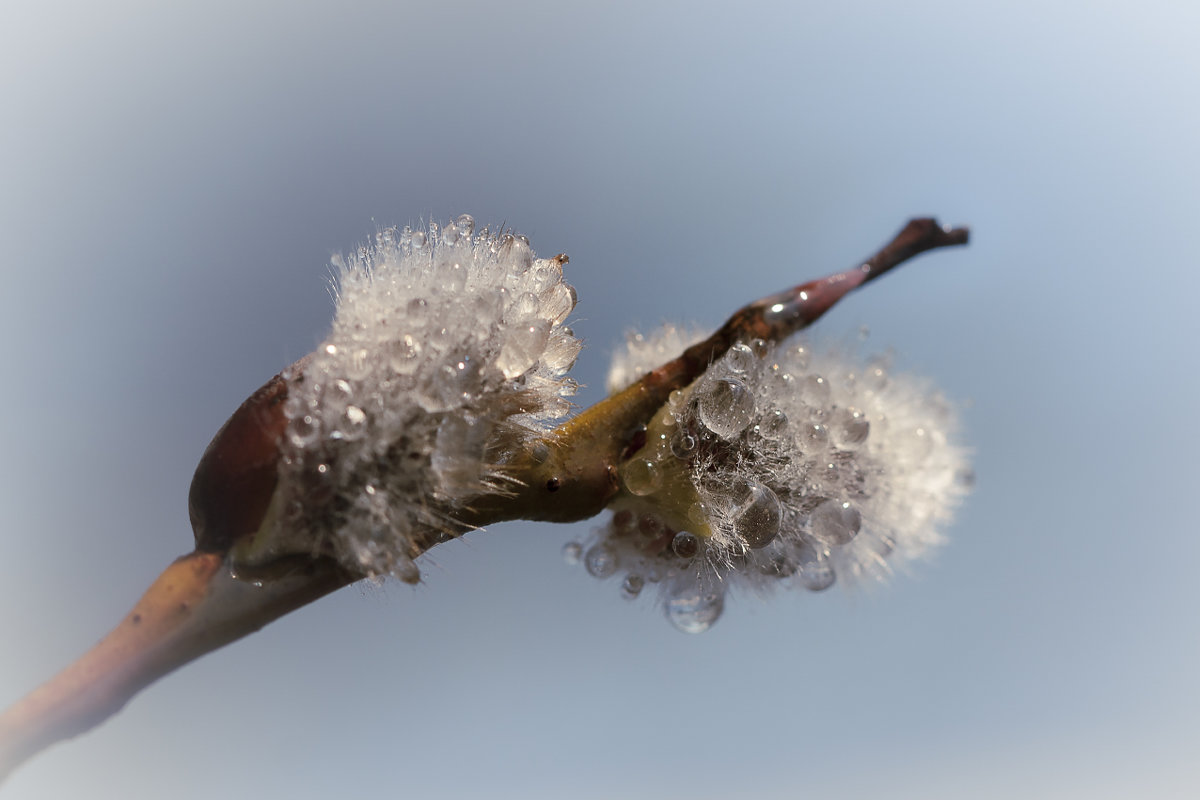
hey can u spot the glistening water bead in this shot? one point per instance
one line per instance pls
(773, 425)
(740, 358)
(601, 560)
(465, 225)
(835, 522)
(523, 349)
(849, 428)
(685, 545)
(683, 444)
(817, 576)
(757, 516)
(641, 477)
(725, 406)
(693, 607)
(632, 586)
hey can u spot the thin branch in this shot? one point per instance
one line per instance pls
(195, 606)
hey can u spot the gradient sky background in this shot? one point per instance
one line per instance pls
(173, 182)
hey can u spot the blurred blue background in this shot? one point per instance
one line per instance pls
(174, 179)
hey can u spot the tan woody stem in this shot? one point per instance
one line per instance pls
(193, 608)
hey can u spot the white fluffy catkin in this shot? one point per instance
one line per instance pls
(800, 468)
(448, 350)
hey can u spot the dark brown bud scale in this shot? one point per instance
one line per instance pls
(235, 480)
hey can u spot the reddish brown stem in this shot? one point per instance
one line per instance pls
(777, 317)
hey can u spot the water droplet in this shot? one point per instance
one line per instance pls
(685, 545)
(817, 576)
(558, 303)
(650, 526)
(407, 570)
(465, 224)
(561, 352)
(515, 251)
(641, 476)
(522, 348)
(725, 406)
(740, 358)
(848, 428)
(693, 606)
(601, 560)
(675, 401)
(683, 444)
(773, 425)
(631, 587)
(544, 275)
(419, 240)
(572, 552)
(304, 430)
(813, 437)
(404, 355)
(760, 347)
(782, 381)
(756, 515)
(816, 572)
(525, 306)
(874, 375)
(835, 522)
(814, 391)
(776, 561)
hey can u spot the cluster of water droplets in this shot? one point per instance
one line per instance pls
(447, 352)
(778, 467)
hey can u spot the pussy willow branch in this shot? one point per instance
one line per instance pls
(197, 605)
